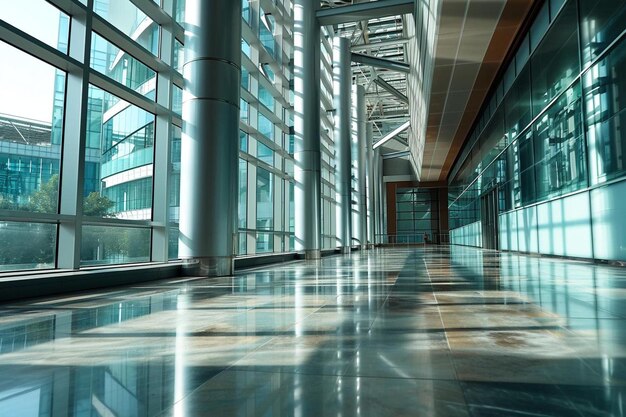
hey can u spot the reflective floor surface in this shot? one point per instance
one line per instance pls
(396, 332)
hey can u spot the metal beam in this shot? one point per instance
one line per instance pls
(392, 155)
(389, 88)
(378, 45)
(401, 141)
(364, 11)
(381, 63)
(389, 119)
(393, 134)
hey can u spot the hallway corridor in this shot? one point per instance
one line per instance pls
(395, 332)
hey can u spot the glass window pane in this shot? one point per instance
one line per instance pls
(265, 126)
(265, 34)
(179, 56)
(264, 242)
(527, 172)
(243, 194)
(31, 130)
(523, 53)
(292, 208)
(177, 100)
(517, 105)
(131, 21)
(245, 78)
(423, 225)
(105, 245)
(559, 147)
(601, 21)
(174, 192)
(539, 26)
(605, 111)
(265, 97)
(180, 12)
(555, 7)
(405, 226)
(242, 243)
(264, 153)
(39, 19)
(120, 152)
(555, 63)
(404, 215)
(264, 200)
(27, 245)
(245, 10)
(245, 48)
(243, 141)
(116, 64)
(243, 111)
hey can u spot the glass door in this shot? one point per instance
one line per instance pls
(489, 218)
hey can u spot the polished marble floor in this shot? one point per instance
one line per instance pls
(430, 331)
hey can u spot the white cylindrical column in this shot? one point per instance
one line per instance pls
(208, 178)
(370, 179)
(307, 170)
(342, 80)
(361, 161)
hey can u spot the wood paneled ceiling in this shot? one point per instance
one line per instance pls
(473, 40)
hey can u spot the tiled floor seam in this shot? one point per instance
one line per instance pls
(454, 365)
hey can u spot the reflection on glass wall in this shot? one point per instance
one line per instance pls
(114, 245)
(39, 19)
(121, 144)
(120, 66)
(601, 22)
(264, 209)
(560, 165)
(327, 145)
(266, 149)
(121, 132)
(573, 141)
(555, 64)
(174, 192)
(102, 138)
(242, 212)
(131, 21)
(417, 215)
(604, 94)
(26, 245)
(30, 133)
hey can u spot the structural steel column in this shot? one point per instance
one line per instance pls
(382, 201)
(378, 197)
(208, 178)
(342, 80)
(369, 174)
(307, 173)
(360, 155)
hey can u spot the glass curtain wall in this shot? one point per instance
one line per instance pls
(266, 124)
(549, 137)
(84, 131)
(329, 201)
(417, 215)
(89, 123)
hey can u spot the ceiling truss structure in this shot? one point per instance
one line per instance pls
(472, 40)
(379, 61)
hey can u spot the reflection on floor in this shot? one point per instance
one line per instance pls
(397, 332)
